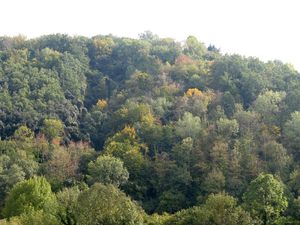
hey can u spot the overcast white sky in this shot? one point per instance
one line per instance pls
(262, 28)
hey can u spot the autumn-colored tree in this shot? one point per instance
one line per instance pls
(101, 105)
(63, 165)
(124, 145)
(197, 101)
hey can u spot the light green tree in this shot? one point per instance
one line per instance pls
(227, 127)
(222, 210)
(219, 209)
(188, 126)
(23, 133)
(264, 199)
(52, 129)
(267, 104)
(30, 195)
(292, 130)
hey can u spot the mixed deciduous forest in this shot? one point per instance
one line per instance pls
(112, 130)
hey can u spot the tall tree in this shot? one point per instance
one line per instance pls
(264, 199)
(105, 204)
(31, 195)
(108, 170)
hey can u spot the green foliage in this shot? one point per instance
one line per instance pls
(227, 127)
(23, 133)
(264, 199)
(171, 201)
(107, 170)
(267, 105)
(67, 201)
(214, 182)
(189, 126)
(218, 209)
(291, 129)
(30, 195)
(222, 210)
(52, 129)
(193, 48)
(38, 217)
(161, 106)
(15, 167)
(105, 204)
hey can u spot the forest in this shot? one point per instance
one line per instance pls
(113, 130)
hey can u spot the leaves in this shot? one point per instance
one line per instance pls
(107, 170)
(264, 199)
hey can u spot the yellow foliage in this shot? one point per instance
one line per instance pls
(101, 105)
(206, 97)
(193, 92)
(127, 133)
(103, 46)
(274, 130)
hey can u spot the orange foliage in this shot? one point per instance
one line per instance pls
(55, 142)
(181, 60)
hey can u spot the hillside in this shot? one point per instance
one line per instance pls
(178, 127)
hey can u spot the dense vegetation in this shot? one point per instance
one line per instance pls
(110, 130)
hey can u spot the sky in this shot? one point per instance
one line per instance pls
(259, 28)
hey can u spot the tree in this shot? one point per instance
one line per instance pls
(227, 127)
(107, 205)
(67, 201)
(292, 130)
(248, 121)
(63, 164)
(182, 153)
(228, 101)
(101, 105)
(193, 48)
(161, 106)
(194, 216)
(267, 104)
(222, 210)
(171, 201)
(52, 129)
(108, 170)
(197, 101)
(219, 209)
(30, 195)
(264, 199)
(23, 133)
(15, 167)
(189, 126)
(275, 157)
(214, 182)
(30, 218)
(148, 36)
(125, 146)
